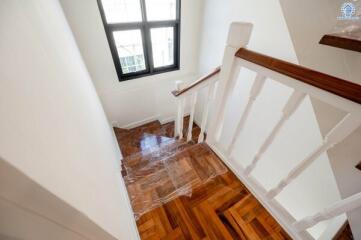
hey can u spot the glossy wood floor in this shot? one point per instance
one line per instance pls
(219, 208)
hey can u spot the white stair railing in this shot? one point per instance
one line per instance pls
(191, 117)
(304, 82)
(191, 92)
(291, 106)
(178, 131)
(205, 112)
(256, 90)
(238, 37)
(344, 128)
(345, 205)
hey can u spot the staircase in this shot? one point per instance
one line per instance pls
(182, 190)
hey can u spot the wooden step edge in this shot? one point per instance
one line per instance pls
(184, 147)
(166, 146)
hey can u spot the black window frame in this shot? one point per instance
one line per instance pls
(144, 26)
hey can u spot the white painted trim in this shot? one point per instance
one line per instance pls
(166, 120)
(141, 122)
(130, 209)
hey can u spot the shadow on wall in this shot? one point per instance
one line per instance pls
(28, 211)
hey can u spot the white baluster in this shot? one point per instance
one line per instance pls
(256, 89)
(344, 128)
(191, 117)
(182, 102)
(335, 210)
(177, 120)
(177, 123)
(290, 107)
(205, 112)
(238, 36)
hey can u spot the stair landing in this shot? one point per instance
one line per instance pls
(211, 202)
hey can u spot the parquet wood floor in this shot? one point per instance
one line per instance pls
(219, 208)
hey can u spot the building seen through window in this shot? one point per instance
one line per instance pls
(143, 35)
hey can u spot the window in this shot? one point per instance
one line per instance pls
(143, 35)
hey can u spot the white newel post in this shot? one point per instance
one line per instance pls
(238, 37)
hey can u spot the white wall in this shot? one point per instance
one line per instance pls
(306, 33)
(28, 211)
(267, 19)
(140, 100)
(270, 36)
(53, 128)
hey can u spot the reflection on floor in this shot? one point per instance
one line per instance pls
(182, 190)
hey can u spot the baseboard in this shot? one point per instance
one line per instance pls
(136, 235)
(166, 120)
(141, 122)
(162, 120)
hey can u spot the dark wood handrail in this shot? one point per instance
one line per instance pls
(340, 87)
(339, 41)
(177, 93)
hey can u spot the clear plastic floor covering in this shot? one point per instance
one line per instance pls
(161, 176)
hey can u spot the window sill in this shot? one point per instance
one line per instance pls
(156, 72)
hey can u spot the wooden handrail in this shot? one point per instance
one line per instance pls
(340, 87)
(177, 93)
(339, 41)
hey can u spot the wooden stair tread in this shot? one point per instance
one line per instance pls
(161, 180)
(150, 161)
(148, 136)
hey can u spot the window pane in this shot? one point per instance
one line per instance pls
(119, 11)
(162, 46)
(160, 10)
(129, 45)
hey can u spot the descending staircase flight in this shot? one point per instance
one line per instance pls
(182, 190)
(217, 207)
